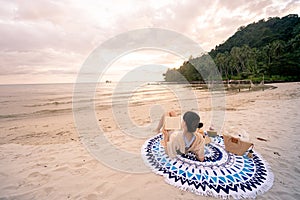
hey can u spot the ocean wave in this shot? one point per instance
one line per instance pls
(55, 103)
(36, 113)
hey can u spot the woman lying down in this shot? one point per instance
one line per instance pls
(190, 138)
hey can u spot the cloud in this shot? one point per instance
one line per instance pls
(52, 37)
(34, 62)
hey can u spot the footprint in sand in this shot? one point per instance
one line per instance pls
(10, 188)
(59, 169)
(80, 171)
(91, 197)
(37, 178)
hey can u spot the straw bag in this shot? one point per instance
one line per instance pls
(236, 145)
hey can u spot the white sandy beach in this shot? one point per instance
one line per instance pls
(41, 156)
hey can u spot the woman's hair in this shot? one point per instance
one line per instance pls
(192, 121)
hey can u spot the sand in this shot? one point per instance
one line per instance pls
(42, 157)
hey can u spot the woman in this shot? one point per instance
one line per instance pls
(189, 139)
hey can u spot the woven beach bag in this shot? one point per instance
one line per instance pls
(236, 145)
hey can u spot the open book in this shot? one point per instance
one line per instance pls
(172, 123)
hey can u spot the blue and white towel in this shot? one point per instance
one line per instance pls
(222, 174)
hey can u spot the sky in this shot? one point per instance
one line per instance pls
(47, 41)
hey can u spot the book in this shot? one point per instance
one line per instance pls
(172, 123)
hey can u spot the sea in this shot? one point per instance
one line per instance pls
(24, 100)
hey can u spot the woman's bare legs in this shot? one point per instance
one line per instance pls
(165, 132)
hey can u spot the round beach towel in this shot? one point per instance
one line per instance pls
(222, 174)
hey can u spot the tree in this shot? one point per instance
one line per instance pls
(270, 47)
(172, 75)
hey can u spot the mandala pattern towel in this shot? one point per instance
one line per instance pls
(222, 174)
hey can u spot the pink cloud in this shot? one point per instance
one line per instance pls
(57, 36)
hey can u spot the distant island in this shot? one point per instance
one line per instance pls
(266, 50)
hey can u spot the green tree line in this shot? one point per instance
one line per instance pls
(266, 48)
